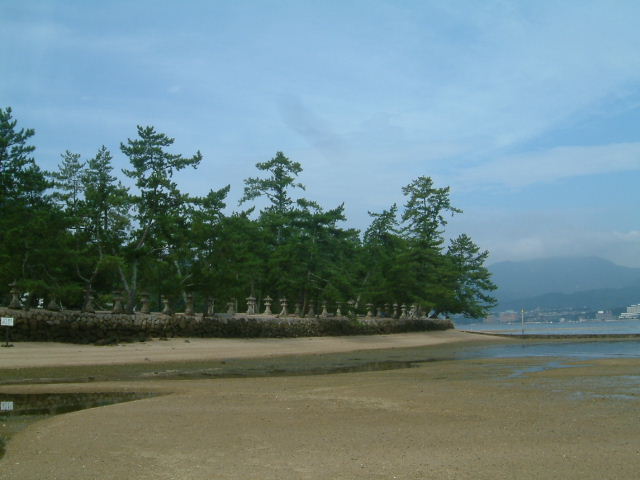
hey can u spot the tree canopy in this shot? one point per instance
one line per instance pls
(78, 228)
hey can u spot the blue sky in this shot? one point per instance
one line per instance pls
(528, 110)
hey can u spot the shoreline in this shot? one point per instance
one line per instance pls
(47, 354)
(551, 336)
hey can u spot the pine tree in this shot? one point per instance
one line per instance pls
(282, 175)
(32, 229)
(425, 265)
(472, 280)
(160, 208)
(67, 182)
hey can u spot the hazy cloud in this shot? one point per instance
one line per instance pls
(553, 164)
(316, 131)
(620, 247)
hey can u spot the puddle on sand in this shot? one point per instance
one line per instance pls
(17, 410)
(286, 367)
(606, 396)
(521, 372)
(621, 387)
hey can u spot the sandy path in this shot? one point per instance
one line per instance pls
(38, 354)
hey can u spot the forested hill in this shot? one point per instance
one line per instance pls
(601, 299)
(564, 282)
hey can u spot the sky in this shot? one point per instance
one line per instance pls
(528, 110)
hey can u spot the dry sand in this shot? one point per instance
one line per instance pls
(35, 354)
(462, 419)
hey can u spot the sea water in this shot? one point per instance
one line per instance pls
(589, 327)
(577, 350)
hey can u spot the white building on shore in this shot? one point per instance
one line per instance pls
(632, 313)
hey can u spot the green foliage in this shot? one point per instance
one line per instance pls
(383, 279)
(32, 228)
(159, 203)
(472, 280)
(282, 174)
(161, 213)
(67, 182)
(106, 203)
(21, 180)
(83, 229)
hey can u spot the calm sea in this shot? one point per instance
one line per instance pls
(601, 348)
(556, 328)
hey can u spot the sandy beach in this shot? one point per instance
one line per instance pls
(38, 354)
(442, 419)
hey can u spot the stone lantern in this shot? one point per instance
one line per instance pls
(251, 305)
(15, 296)
(117, 303)
(283, 304)
(166, 309)
(211, 307)
(53, 305)
(231, 309)
(351, 304)
(146, 302)
(369, 310)
(267, 305)
(189, 307)
(88, 302)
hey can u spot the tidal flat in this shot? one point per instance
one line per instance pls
(409, 412)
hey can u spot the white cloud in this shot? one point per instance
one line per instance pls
(549, 165)
(516, 74)
(622, 248)
(526, 234)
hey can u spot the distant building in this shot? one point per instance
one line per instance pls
(604, 315)
(508, 317)
(632, 313)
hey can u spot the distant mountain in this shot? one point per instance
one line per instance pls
(603, 299)
(565, 282)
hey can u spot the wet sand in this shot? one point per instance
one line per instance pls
(447, 419)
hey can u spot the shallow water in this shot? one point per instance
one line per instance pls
(521, 372)
(590, 327)
(583, 350)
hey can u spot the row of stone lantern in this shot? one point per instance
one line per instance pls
(399, 311)
(145, 307)
(16, 302)
(118, 302)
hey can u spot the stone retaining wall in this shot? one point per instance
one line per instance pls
(106, 327)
